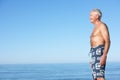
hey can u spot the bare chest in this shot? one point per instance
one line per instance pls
(95, 32)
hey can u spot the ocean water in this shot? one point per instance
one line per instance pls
(75, 71)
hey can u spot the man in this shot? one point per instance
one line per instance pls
(100, 43)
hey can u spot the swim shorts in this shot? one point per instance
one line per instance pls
(98, 71)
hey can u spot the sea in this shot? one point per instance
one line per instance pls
(58, 71)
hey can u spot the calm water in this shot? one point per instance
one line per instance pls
(79, 71)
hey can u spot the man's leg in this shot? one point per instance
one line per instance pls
(100, 79)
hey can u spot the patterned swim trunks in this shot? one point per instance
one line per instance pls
(98, 71)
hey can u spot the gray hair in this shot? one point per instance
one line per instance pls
(98, 12)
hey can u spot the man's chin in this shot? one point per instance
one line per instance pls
(91, 21)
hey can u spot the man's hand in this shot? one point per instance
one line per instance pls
(103, 60)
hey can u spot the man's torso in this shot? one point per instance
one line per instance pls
(96, 37)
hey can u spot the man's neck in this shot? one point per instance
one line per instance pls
(97, 22)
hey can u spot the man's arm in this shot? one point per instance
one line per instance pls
(106, 37)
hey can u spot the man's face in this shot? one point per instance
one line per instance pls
(93, 17)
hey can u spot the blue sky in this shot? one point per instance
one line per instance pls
(53, 31)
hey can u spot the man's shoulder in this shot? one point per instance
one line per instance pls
(103, 25)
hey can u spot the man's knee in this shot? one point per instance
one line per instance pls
(100, 79)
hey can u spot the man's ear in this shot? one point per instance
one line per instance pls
(97, 16)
